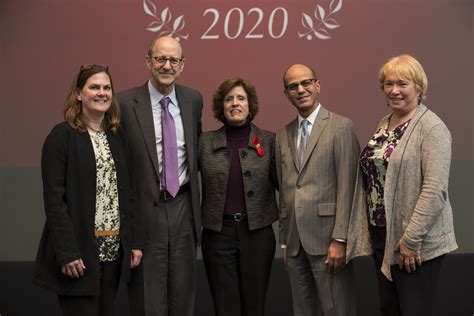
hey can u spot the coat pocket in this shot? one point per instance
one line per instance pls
(327, 209)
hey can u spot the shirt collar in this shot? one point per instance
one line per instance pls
(311, 118)
(156, 96)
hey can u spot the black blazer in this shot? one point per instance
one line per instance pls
(69, 191)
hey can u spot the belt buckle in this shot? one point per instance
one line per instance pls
(238, 217)
(167, 196)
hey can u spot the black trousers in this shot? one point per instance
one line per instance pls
(410, 293)
(238, 264)
(99, 305)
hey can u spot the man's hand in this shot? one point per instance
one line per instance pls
(408, 258)
(336, 258)
(137, 255)
(74, 269)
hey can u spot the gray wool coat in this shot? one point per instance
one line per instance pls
(417, 206)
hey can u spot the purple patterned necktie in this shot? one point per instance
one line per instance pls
(170, 175)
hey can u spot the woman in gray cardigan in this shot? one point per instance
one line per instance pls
(402, 212)
(238, 202)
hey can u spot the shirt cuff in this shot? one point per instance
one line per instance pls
(340, 240)
(283, 246)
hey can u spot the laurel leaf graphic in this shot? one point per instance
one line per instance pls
(166, 15)
(337, 7)
(307, 21)
(154, 26)
(322, 34)
(321, 12)
(147, 9)
(330, 23)
(178, 23)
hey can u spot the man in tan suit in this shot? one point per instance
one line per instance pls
(316, 156)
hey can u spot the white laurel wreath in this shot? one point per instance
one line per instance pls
(323, 21)
(162, 24)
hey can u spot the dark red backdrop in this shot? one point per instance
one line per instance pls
(43, 43)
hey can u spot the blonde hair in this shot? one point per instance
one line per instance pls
(407, 67)
(73, 108)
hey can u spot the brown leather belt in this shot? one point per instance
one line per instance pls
(165, 196)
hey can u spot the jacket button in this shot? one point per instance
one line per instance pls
(243, 154)
(155, 203)
(247, 173)
(250, 193)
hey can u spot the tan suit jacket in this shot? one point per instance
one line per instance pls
(316, 198)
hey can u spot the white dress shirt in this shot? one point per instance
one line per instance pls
(155, 97)
(311, 118)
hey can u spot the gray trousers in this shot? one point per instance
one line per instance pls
(165, 282)
(315, 291)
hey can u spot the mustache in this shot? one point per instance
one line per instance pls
(165, 72)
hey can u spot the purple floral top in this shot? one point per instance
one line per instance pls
(374, 162)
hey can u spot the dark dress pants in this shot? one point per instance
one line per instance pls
(238, 264)
(410, 294)
(165, 282)
(98, 305)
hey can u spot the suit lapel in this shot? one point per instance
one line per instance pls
(186, 108)
(144, 115)
(319, 125)
(292, 134)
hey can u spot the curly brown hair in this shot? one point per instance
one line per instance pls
(224, 88)
(73, 108)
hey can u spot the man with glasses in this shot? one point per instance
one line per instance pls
(162, 121)
(316, 158)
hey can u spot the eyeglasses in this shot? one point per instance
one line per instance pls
(160, 60)
(91, 66)
(304, 83)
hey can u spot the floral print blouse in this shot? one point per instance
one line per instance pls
(107, 217)
(374, 160)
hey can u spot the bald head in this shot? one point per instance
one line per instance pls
(296, 68)
(302, 88)
(166, 62)
(165, 41)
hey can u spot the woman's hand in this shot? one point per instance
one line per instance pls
(74, 269)
(137, 255)
(408, 258)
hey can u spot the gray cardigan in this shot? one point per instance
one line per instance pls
(417, 206)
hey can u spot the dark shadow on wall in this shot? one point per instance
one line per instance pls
(18, 297)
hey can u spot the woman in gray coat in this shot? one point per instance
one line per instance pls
(238, 202)
(401, 209)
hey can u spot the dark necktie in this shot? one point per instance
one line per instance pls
(303, 141)
(170, 174)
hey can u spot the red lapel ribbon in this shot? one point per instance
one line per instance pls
(256, 142)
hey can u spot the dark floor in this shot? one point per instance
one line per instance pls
(18, 297)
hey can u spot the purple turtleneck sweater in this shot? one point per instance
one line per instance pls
(237, 138)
